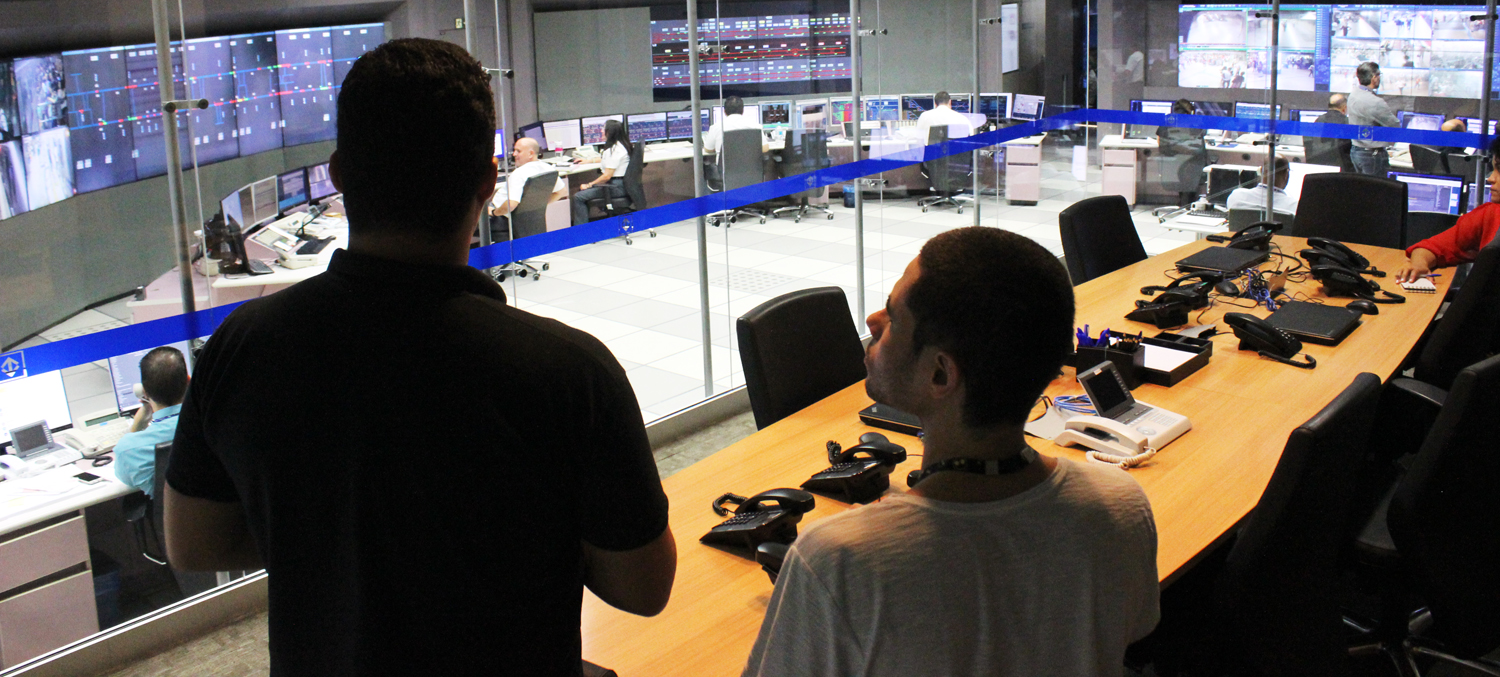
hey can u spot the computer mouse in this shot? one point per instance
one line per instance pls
(1364, 306)
(1227, 288)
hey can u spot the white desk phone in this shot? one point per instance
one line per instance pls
(1125, 432)
(586, 153)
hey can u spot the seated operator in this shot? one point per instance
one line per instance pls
(164, 378)
(1254, 197)
(734, 119)
(942, 115)
(999, 561)
(524, 154)
(1461, 243)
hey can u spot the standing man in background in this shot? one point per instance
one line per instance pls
(1367, 109)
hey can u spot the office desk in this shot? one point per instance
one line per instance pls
(1242, 406)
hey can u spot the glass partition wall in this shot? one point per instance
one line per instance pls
(838, 165)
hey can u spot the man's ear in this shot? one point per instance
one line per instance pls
(491, 175)
(335, 172)
(944, 375)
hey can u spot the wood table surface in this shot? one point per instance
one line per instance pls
(1242, 407)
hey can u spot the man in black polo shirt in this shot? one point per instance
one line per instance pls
(429, 476)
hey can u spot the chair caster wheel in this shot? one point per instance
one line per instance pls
(546, 266)
(960, 210)
(536, 276)
(733, 219)
(521, 273)
(830, 217)
(501, 277)
(653, 233)
(924, 210)
(627, 241)
(762, 219)
(797, 220)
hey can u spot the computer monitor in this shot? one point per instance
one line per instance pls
(914, 105)
(263, 198)
(811, 114)
(962, 102)
(679, 125)
(593, 128)
(1151, 106)
(125, 373)
(1308, 115)
(500, 143)
(1214, 108)
(1433, 192)
(647, 127)
(319, 183)
(534, 131)
(1027, 107)
(33, 398)
(995, 105)
(562, 134)
(1299, 171)
(1223, 180)
(881, 108)
(291, 190)
(1432, 122)
(1255, 111)
(843, 111)
(238, 209)
(1472, 124)
(776, 114)
(752, 112)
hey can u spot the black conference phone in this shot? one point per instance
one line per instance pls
(859, 474)
(1339, 280)
(1170, 307)
(1267, 339)
(1322, 250)
(769, 516)
(770, 556)
(1257, 237)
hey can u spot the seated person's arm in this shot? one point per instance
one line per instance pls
(638, 581)
(504, 209)
(604, 177)
(1420, 263)
(1450, 247)
(205, 535)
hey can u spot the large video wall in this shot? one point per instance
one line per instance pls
(1423, 50)
(761, 49)
(84, 120)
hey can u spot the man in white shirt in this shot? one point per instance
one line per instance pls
(1255, 197)
(734, 118)
(524, 154)
(999, 561)
(942, 115)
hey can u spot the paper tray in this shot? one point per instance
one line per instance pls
(1200, 349)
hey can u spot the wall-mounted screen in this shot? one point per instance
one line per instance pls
(257, 105)
(763, 49)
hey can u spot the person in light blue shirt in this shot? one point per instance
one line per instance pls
(164, 378)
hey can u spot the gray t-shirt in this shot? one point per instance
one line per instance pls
(1054, 581)
(1365, 108)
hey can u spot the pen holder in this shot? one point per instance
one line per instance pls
(1124, 362)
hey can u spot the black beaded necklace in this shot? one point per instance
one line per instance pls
(975, 466)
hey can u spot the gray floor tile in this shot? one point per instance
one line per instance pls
(647, 313)
(545, 290)
(603, 253)
(832, 252)
(790, 246)
(691, 327)
(652, 262)
(595, 302)
(654, 385)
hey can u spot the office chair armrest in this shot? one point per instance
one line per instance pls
(1408, 408)
(136, 506)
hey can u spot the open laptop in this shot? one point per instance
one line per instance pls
(33, 443)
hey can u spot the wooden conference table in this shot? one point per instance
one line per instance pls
(1242, 407)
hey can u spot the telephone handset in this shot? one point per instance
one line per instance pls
(585, 153)
(769, 516)
(81, 440)
(859, 474)
(1110, 441)
(1257, 237)
(1192, 289)
(1267, 339)
(1342, 281)
(1337, 252)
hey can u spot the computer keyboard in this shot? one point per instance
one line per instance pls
(1207, 213)
(314, 246)
(109, 434)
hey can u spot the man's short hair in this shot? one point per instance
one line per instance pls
(1283, 171)
(734, 106)
(416, 125)
(1455, 125)
(1367, 72)
(1183, 107)
(1002, 306)
(164, 375)
(1337, 102)
(941, 98)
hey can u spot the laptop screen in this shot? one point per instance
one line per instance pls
(30, 438)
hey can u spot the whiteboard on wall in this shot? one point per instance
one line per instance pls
(1010, 38)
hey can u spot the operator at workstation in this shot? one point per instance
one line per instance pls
(734, 119)
(164, 378)
(942, 115)
(1462, 242)
(1254, 197)
(524, 154)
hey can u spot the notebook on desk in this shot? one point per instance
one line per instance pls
(1314, 322)
(1222, 260)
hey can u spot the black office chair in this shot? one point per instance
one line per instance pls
(947, 176)
(1321, 150)
(796, 349)
(527, 219)
(803, 152)
(1464, 165)
(633, 197)
(1276, 611)
(1437, 538)
(148, 519)
(1183, 159)
(1422, 225)
(1352, 208)
(1098, 237)
(740, 161)
(1240, 219)
(1428, 160)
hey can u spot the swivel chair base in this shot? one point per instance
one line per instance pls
(520, 269)
(955, 201)
(800, 211)
(730, 216)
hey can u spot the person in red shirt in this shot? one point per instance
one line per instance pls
(1461, 243)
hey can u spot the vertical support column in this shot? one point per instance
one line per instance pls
(856, 73)
(1484, 99)
(974, 101)
(174, 154)
(1270, 170)
(703, 311)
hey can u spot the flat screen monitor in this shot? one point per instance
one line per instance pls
(562, 134)
(1214, 108)
(319, 183)
(776, 114)
(811, 114)
(646, 127)
(1432, 193)
(1432, 122)
(843, 111)
(238, 209)
(1255, 111)
(593, 127)
(752, 111)
(1223, 180)
(1308, 115)
(291, 190)
(125, 373)
(263, 197)
(1028, 107)
(1151, 106)
(33, 398)
(500, 143)
(1299, 171)
(995, 105)
(679, 125)
(961, 102)
(882, 108)
(535, 132)
(914, 105)
(1472, 124)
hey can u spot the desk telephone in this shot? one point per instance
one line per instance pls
(1267, 339)
(859, 474)
(1124, 432)
(769, 516)
(1322, 250)
(586, 154)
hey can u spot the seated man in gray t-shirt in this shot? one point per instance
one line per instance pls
(999, 561)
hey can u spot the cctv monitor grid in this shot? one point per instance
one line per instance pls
(1260, 111)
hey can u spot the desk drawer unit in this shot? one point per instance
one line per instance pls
(46, 589)
(1023, 174)
(1119, 173)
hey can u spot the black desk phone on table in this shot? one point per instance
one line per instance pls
(1267, 339)
(859, 474)
(769, 516)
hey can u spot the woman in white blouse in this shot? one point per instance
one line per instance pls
(613, 162)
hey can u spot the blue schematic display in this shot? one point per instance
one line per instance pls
(145, 108)
(912, 107)
(99, 118)
(210, 75)
(257, 108)
(304, 62)
(882, 108)
(350, 43)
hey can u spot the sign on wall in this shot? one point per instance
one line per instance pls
(1010, 37)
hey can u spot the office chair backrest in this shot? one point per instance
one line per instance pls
(1322, 150)
(1428, 160)
(937, 168)
(1240, 219)
(803, 152)
(163, 457)
(1463, 164)
(634, 189)
(741, 158)
(1467, 332)
(1275, 600)
(1442, 516)
(1352, 208)
(530, 216)
(796, 349)
(1098, 237)
(1422, 225)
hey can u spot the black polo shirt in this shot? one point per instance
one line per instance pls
(418, 463)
